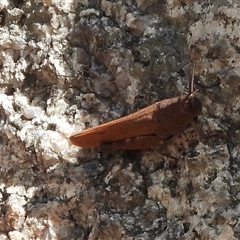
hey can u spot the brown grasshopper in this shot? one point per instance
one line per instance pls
(145, 128)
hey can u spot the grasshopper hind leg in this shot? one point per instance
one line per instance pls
(141, 142)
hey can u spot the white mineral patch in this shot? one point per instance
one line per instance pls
(20, 190)
(54, 141)
(17, 235)
(3, 4)
(31, 112)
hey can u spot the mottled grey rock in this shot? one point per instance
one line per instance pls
(69, 65)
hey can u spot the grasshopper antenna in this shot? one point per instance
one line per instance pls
(191, 83)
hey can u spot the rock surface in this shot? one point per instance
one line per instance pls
(69, 65)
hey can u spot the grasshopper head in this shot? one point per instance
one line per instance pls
(190, 104)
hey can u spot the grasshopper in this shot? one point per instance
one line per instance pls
(148, 127)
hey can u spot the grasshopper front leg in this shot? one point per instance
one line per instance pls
(140, 142)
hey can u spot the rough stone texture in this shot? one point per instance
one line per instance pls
(68, 65)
